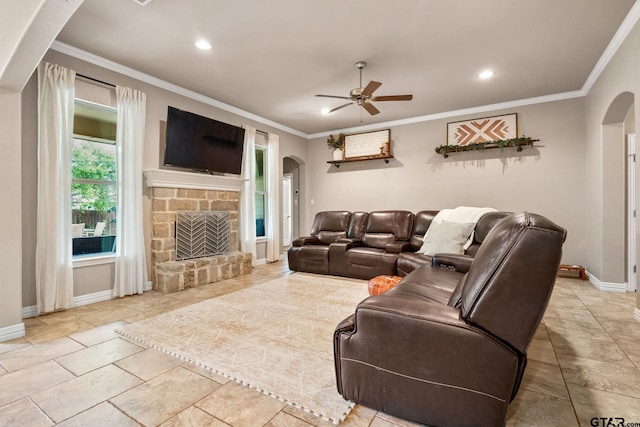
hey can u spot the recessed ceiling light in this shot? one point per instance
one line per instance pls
(203, 45)
(486, 74)
(325, 111)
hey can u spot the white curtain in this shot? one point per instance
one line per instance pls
(54, 268)
(247, 196)
(274, 181)
(131, 268)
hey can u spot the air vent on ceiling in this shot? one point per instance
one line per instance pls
(142, 2)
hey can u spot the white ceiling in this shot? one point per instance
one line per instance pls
(270, 58)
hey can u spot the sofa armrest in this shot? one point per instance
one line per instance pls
(397, 247)
(306, 240)
(457, 262)
(416, 308)
(389, 334)
(350, 241)
(338, 256)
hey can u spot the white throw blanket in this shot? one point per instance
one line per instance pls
(461, 214)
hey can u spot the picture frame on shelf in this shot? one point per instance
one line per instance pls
(481, 130)
(368, 145)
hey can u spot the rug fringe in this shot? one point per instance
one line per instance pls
(179, 356)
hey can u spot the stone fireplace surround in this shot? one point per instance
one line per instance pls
(173, 191)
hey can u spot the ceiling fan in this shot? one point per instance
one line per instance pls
(364, 95)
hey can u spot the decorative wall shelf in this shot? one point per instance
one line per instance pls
(516, 143)
(337, 163)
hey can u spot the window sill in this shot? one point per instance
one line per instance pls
(262, 239)
(94, 259)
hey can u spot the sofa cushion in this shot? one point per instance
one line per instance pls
(329, 237)
(421, 224)
(384, 227)
(330, 221)
(409, 261)
(446, 237)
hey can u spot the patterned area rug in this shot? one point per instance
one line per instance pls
(275, 337)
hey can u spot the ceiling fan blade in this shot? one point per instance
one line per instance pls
(370, 88)
(334, 96)
(393, 98)
(370, 108)
(337, 108)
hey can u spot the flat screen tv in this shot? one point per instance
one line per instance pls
(202, 144)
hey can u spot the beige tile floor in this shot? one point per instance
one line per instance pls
(72, 369)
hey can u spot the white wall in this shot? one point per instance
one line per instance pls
(548, 179)
(11, 325)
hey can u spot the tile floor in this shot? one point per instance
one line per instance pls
(71, 369)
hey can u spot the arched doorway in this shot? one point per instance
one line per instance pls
(619, 192)
(293, 202)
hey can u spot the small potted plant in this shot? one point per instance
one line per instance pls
(336, 144)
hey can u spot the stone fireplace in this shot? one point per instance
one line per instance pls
(173, 192)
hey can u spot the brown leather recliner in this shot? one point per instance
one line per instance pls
(386, 235)
(442, 355)
(311, 253)
(409, 261)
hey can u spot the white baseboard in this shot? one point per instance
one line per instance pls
(32, 311)
(606, 286)
(12, 332)
(261, 261)
(92, 298)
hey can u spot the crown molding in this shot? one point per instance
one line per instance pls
(146, 78)
(457, 113)
(616, 41)
(621, 34)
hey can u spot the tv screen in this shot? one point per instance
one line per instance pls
(203, 144)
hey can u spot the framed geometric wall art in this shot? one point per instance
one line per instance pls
(486, 129)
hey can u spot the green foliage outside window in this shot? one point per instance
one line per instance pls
(93, 171)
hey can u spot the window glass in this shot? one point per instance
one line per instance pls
(93, 179)
(261, 195)
(260, 169)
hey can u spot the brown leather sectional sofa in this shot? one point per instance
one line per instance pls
(365, 245)
(447, 346)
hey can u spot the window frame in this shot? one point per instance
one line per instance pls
(95, 258)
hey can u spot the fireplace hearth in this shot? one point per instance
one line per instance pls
(172, 271)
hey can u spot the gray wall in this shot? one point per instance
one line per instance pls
(603, 227)
(547, 179)
(10, 188)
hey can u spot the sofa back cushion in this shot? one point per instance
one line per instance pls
(384, 227)
(421, 224)
(357, 225)
(329, 226)
(509, 284)
(482, 229)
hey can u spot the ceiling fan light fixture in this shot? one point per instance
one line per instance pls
(363, 95)
(325, 111)
(486, 74)
(203, 45)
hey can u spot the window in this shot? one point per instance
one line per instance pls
(261, 190)
(93, 178)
